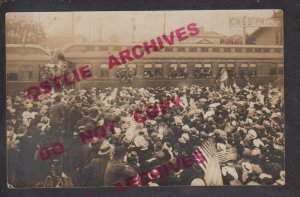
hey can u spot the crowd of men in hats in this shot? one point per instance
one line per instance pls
(249, 120)
(19, 31)
(48, 71)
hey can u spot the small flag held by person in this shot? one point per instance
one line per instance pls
(223, 75)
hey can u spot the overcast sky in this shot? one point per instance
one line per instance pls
(148, 24)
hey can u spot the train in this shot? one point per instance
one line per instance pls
(177, 65)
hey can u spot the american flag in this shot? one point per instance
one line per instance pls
(211, 165)
(227, 155)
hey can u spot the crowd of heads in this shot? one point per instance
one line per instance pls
(24, 32)
(248, 119)
(49, 71)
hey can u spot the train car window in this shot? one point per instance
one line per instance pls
(183, 71)
(277, 50)
(168, 49)
(244, 71)
(117, 48)
(249, 50)
(174, 73)
(216, 49)
(273, 70)
(102, 66)
(238, 49)
(181, 49)
(103, 48)
(227, 49)
(131, 65)
(257, 50)
(104, 72)
(132, 69)
(12, 76)
(12, 73)
(126, 71)
(230, 70)
(207, 73)
(193, 49)
(121, 72)
(158, 71)
(110, 48)
(248, 70)
(90, 48)
(266, 50)
(26, 75)
(252, 70)
(204, 49)
(280, 69)
(148, 71)
(148, 66)
(198, 71)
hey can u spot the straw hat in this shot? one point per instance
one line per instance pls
(105, 148)
(247, 166)
(138, 140)
(231, 171)
(257, 143)
(197, 182)
(185, 128)
(26, 114)
(252, 134)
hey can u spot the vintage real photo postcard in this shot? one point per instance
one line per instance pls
(145, 98)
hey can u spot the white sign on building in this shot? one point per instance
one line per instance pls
(253, 22)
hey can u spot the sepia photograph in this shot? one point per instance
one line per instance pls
(145, 98)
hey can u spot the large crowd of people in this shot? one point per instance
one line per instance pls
(49, 71)
(247, 119)
(22, 32)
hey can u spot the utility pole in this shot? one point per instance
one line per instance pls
(72, 18)
(133, 26)
(244, 35)
(164, 22)
(89, 27)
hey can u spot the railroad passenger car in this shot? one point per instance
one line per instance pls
(181, 64)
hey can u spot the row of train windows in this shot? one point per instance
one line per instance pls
(206, 49)
(156, 70)
(200, 70)
(25, 76)
(188, 49)
(196, 66)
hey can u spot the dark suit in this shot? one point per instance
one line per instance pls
(73, 117)
(118, 171)
(94, 172)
